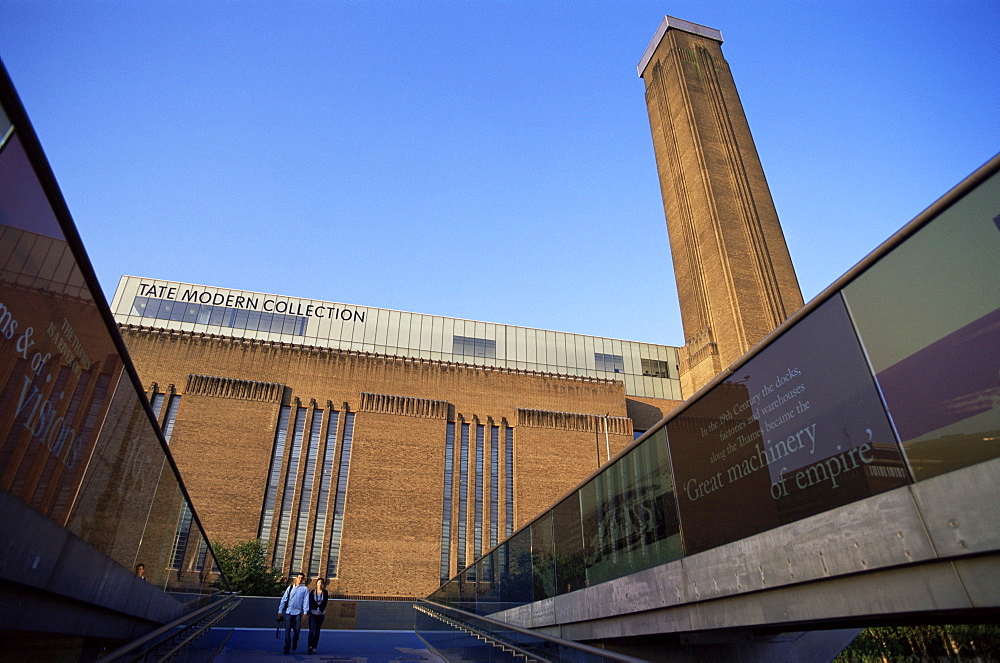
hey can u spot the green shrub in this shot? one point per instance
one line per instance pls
(244, 564)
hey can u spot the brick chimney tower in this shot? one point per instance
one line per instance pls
(735, 279)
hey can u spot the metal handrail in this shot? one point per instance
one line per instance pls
(219, 614)
(528, 656)
(622, 658)
(153, 636)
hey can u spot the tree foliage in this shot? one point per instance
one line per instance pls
(244, 564)
(963, 642)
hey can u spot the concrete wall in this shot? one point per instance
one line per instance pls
(923, 552)
(54, 582)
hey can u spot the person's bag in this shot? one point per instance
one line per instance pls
(281, 617)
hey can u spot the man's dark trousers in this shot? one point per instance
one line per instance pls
(293, 624)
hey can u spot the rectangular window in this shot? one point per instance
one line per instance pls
(609, 363)
(168, 424)
(206, 314)
(156, 402)
(449, 468)
(306, 498)
(202, 554)
(285, 524)
(477, 532)
(494, 484)
(473, 347)
(277, 458)
(655, 368)
(463, 492)
(509, 481)
(325, 481)
(341, 496)
(181, 537)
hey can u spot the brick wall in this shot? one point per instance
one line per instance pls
(224, 438)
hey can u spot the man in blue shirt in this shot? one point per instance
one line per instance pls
(294, 604)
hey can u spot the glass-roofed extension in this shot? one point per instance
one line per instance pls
(648, 370)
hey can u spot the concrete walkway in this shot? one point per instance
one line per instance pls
(255, 645)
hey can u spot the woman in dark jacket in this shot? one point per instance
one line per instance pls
(317, 607)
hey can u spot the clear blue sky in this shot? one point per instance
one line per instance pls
(482, 160)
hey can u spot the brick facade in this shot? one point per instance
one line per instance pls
(232, 393)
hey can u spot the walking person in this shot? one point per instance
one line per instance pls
(294, 604)
(317, 612)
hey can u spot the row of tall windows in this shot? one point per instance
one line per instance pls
(310, 470)
(222, 316)
(474, 493)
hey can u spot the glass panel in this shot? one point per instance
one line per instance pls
(799, 429)
(437, 335)
(6, 128)
(78, 444)
(517, 586)
(191, 312)
(217, 316)
(392, 332)
(561, 341)
(381, 321)
(568, 538)
(370, 328)
(630, 518)
(927, 316)
(403, 333)
(543, 571)
(531, 347)
(467, 589)
(488, 594)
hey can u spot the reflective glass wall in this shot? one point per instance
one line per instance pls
(890, 377)
(78, 444)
